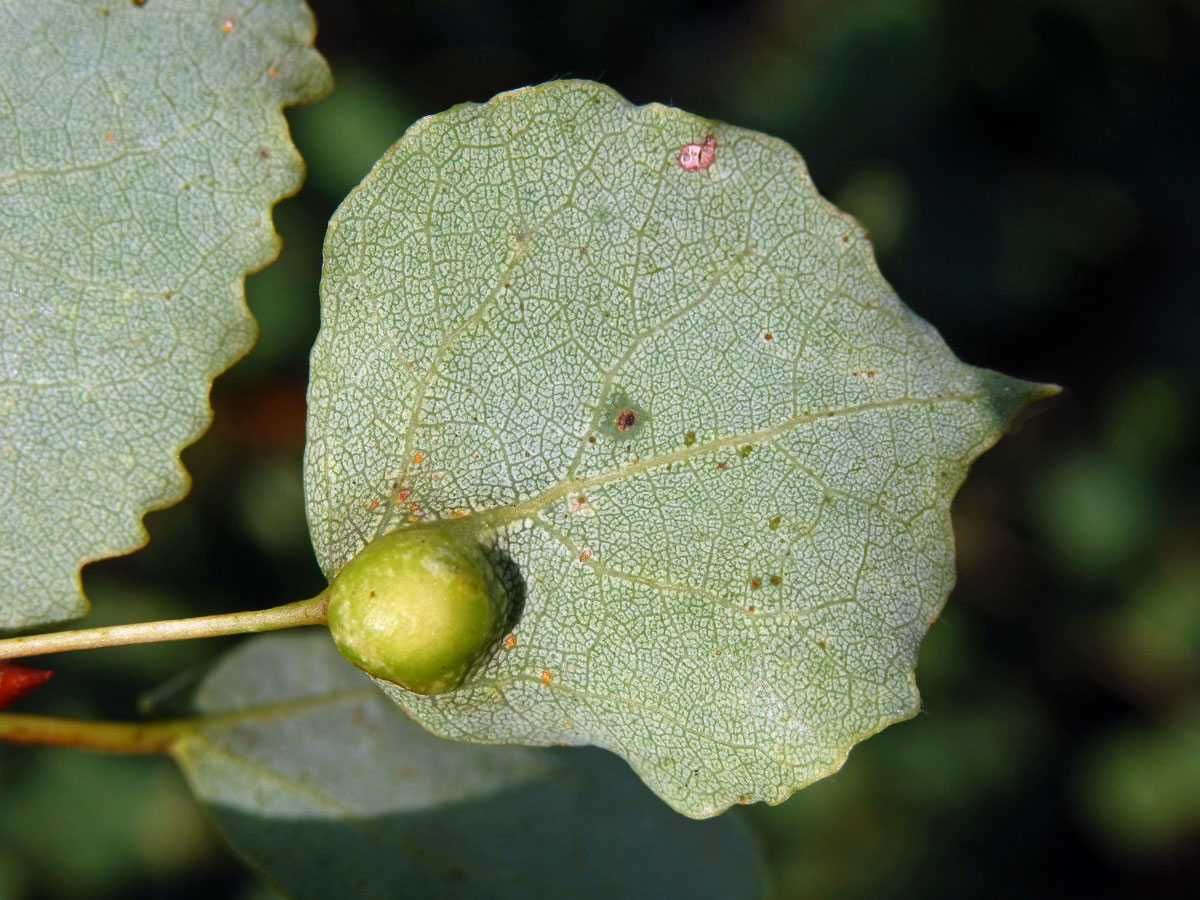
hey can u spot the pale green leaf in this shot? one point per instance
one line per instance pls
(141, 150)
(717, 446)
(318, 779)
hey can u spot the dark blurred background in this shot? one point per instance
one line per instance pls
(1030, 172)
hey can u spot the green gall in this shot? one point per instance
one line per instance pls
(419, 607)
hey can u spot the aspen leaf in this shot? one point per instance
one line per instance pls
(667, 378)
(142, 147)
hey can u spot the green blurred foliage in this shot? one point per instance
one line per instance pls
(1028, 170)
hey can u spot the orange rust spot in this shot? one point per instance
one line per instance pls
(585, 555)
(272, 72)
(227, 26)
(775, 579)
(414, 506)
(698, 156)
(742, 798)
(418, 457)
(768, 336)
(414, 518)
(752, 608)
(374, 504)
(402, 495)
(510, 641)
(109, 136)
(871, 373)
(546, 676)
(435, 475)
(755, 583)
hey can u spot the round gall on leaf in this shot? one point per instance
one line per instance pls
(418, 607)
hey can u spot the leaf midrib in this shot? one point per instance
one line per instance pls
(501, 516)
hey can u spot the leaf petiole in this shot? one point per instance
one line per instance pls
(290, 615)
(108, 737)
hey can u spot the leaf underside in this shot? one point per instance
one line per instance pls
(319, 780)
(670, 380)
(141, 150)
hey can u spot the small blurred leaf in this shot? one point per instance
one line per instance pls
(1151, 644)
(1095, 513)
(86, 824)
(1147, 420)
(316, 777)
(1139, 789)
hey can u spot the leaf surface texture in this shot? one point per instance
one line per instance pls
(669, 380)
(141, 151)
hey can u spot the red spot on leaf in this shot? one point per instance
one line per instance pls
(698, 156)
(16, 681)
